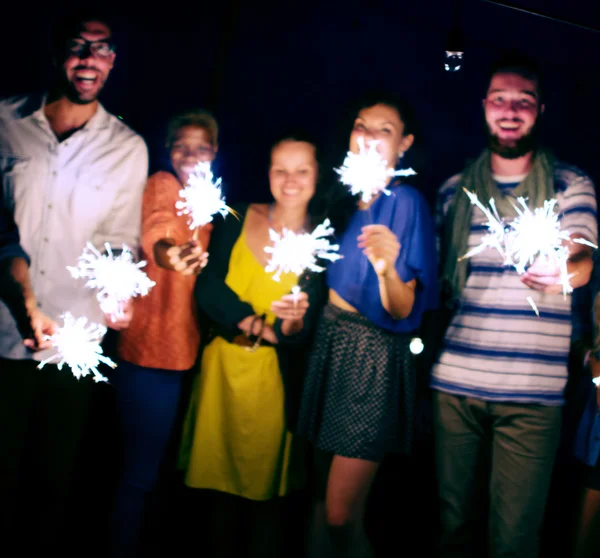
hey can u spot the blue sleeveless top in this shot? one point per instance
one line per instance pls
(406, 214)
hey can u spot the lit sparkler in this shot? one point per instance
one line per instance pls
(532, 234)
(537, 234)
(77, 345)
(293, 253)
(117, 278)
(366, 172)
(534, 306)
(496, 227)
(295, 292)
(202, 197)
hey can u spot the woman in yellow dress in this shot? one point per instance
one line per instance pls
(237, 438)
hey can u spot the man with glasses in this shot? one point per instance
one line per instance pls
(71, 173)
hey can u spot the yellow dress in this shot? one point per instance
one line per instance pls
(235, 439)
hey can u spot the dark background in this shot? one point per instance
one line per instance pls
(262, 67)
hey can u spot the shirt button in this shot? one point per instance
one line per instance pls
(53, 173)
(45, 239)
(49, 206)
(42, 272)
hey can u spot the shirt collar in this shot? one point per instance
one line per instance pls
(35, 105)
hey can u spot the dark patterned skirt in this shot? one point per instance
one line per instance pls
(359, 393)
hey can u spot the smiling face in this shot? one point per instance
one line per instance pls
(381, 123)
(512, 109)
(293, 173)
(87, 59)
(191, 145)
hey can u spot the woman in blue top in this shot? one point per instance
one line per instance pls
(358, 397)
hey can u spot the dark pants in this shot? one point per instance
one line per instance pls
(147, 403)
(495, 453)
(42, 418)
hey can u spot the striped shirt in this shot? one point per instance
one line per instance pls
(496, 348)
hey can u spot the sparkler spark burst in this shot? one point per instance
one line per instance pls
(366, 172)
(202, 197)
(117, 278)
(536, 233)
(77, 345)
(531, 235)
(294, 253)
(496, 227)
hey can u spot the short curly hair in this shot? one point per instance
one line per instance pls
(195, 117)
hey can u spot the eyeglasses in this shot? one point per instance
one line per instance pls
(101, 49)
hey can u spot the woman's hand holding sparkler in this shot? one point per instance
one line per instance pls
(381, 246)
(188, 258)
(291, 309)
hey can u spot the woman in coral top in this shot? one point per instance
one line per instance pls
(163, 339)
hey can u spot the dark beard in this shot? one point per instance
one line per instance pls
(515, 149)
(70, 92)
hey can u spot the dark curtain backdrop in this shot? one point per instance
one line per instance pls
(263, 67)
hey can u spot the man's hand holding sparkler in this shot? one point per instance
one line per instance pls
(188, 258)
(544, 274)
(42, 328)
(17, 293)
(291, 309)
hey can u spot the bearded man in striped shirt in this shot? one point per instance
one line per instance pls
(500, 377)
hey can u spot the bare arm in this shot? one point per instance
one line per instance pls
(18, 295)
(397, 297)
(382, 248)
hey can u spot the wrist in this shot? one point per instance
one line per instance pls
(290, 327)
(30, 302)
(387, 273)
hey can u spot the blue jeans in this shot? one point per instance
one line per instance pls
(147, 401)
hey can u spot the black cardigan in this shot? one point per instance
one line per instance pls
(222, 309)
